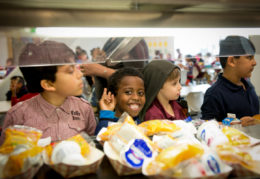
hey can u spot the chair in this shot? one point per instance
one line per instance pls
(194, 100)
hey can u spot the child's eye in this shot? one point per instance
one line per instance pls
(140, 93)
(250, 57)
(71, 70)
(128, 92)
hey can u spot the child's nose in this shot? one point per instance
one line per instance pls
(135, 96)
(79, 73)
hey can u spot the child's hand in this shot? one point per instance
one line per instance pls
(107, 101)
(248, 121)
(13, 88)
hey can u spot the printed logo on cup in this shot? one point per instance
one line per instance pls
(137, 152)
(203, 135)
(213, 164)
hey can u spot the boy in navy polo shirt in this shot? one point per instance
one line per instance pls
(233, 92)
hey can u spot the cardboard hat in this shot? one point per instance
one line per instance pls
(236, 46)
(46, 53)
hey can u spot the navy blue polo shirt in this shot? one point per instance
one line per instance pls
(225, 97)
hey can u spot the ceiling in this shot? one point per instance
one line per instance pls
(129, 13)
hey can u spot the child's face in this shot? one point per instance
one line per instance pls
(245, 65)
(15, 84)
(171, 89)
(68, 81)
(130, 96)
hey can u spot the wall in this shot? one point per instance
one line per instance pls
(256, 73)
(3, 49)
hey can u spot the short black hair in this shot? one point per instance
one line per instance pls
(223, 61)
(20, 79)
(43, 54)
(115, 79)
(33, 76)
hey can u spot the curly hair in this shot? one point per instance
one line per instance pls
(116, 78)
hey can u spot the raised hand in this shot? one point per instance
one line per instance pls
(107, 101)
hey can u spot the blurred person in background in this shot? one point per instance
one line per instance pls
(17, 88)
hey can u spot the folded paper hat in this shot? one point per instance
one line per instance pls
(236, 46)
(46, 53)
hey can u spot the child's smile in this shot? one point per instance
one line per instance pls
(130, 96)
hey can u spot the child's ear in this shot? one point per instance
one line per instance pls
(231, 61)
(47, 85)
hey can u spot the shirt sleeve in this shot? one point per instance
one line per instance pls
(105, 116)
(212, 108)
(14, 100)
(91, 122)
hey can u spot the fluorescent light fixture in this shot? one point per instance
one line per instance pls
(189, 40)
(142, 32)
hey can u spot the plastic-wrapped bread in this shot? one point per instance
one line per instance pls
(153, 127)
(20, 152)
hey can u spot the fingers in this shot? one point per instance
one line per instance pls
(247, 121)
(82, 68)
(107, 97)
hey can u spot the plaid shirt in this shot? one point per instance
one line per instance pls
(72, 117)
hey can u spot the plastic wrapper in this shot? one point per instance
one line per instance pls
(247, 157)
(128, 147)
(165, 141)
(167, 160)
(236, 137)
(126, 133)
(186, 129)
(186, 160)
(241, 151)
(20, 156)
(210, 134)
(119, 166)
(74, 156)
(105, 133)
(153, 127)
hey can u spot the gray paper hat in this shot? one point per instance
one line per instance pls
(236, 46)
(46, 53)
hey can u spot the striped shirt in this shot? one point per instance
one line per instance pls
(75, 115)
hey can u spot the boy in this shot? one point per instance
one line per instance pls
(55, 110)
(162, 90)
(232, 92)
(125, 94)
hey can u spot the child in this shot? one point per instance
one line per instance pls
(162, 84)
(17, 88)
(125, 94)
(55, 110)
(232, 93)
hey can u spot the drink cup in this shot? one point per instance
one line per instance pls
(210, 133)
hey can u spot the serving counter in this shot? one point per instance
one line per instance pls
(106, 171)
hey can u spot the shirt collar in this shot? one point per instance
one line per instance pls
(49, 109)
(233, 86)
(159, 105)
